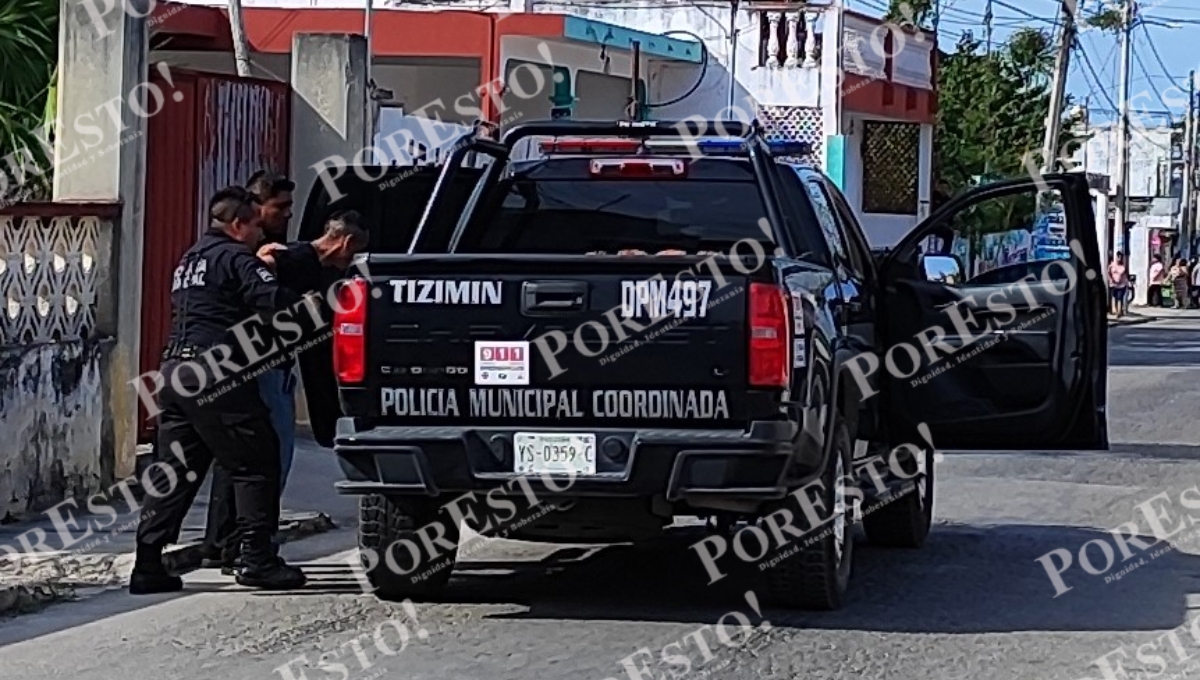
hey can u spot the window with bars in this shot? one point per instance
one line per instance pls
(890, 162)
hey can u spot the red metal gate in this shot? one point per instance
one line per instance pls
(217, 134)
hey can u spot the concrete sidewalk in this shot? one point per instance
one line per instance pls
(1155, 313)
(1131, 319)
(99, 552)
(1140, 315)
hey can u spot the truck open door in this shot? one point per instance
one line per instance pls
(989, 361)
(392, 207)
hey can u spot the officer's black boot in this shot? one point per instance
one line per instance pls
(232, 564)
(227, 558)
(263, 568)
(149, 575)
(231, 558)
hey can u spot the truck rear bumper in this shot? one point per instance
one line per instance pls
(678, 464)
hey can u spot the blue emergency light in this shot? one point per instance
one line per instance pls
(730, 147)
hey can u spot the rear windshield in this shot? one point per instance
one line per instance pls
(557, 209)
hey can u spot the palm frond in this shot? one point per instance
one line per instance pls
(28, 94)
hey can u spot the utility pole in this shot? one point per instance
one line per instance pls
(635, 109)
(733, 50)
(1058, 91)
(987, 25)
(372, 111)
(1121, 185)
(237, 29)
(1189, 168)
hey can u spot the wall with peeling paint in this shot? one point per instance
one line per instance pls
(56, 349)
(51, 417)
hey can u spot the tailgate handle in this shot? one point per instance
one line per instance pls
(553, 297)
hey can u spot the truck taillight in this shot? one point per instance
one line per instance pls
(770, 336)
(349, 332)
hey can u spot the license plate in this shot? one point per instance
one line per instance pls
(555, 453)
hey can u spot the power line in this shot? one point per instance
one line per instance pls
(1174, 20)
(1022, 12)
(1142, 65)
(1154, 51)
(1087, 62)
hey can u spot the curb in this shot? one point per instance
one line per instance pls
(1137, 321)
(47, 578)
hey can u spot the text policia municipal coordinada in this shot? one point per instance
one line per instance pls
(548, 403)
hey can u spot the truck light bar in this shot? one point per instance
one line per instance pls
(714, 147)
(726, 147)
(590, 146)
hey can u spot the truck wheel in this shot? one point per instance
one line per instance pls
(390, 525)
(905, 521)
(814, 571)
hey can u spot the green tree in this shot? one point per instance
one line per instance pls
(992, 112)
(920, 12)
(29, 54)
(992, 107)
(1110, 17)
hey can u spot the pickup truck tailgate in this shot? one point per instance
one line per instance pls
(554, 341)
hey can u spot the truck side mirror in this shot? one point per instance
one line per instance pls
(943, 268)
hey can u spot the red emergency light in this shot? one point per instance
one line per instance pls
(590, 146)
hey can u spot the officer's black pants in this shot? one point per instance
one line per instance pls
(236, 428)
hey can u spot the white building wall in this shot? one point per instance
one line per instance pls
(709, 21)
(845, 42)
(1148, 150)
(884, 231)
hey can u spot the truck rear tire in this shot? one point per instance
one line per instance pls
(904, 522)
(383, 522)
(816, 576)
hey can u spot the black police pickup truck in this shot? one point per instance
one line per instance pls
(585, 344)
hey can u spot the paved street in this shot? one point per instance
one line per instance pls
(973, 604)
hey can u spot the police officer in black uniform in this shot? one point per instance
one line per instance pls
(210, 410)
(303, 267)
(276, 386)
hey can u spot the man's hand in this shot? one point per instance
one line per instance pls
(267, 254)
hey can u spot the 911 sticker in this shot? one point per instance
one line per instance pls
(657, 299)
(501, 362)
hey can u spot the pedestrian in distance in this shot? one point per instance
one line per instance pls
(277, 384)
(205, 414)
(1118, 284)
(1195, 289)
(1180, 279)
(1158, 277)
